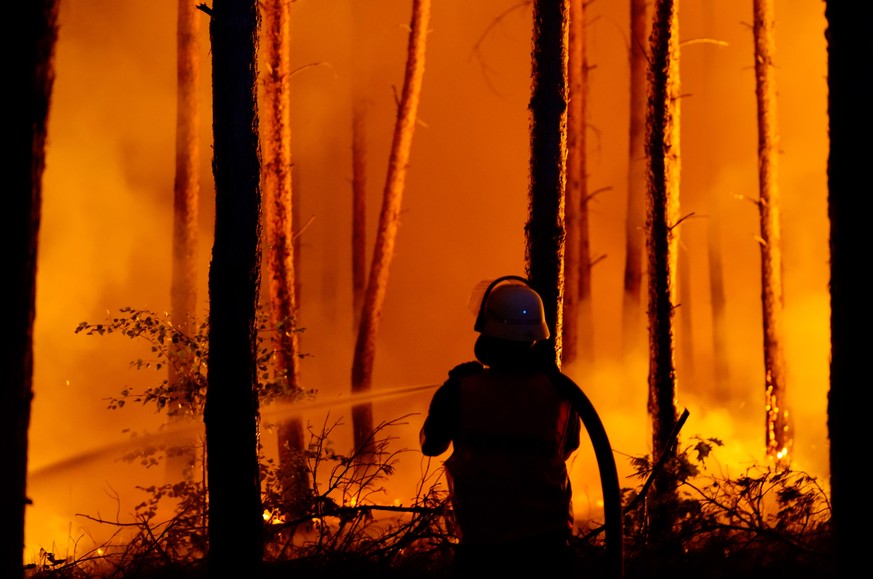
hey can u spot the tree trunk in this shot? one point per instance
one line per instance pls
(778, 438)
(548, 108)
(850, 123)
(33, 80)
(718, 301)
(717, 298)
(186, 198)
(360, 68)
(685, 362)
(278, 222)
(586, 306)
(231, 414)
(635, 220)
(186, 188)
(386, 235)
(578, 327)
(359, 209)
(663, 206)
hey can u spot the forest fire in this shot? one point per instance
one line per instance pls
(107, 233)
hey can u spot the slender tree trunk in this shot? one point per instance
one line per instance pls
(360, 67)
(635, 220)
(297, 228)
(359, 209)
(685, 359)
(586, 306)
(386, 235)
(31, 87)
(186, 199)
(718, 301)
(575, 178)
(578, 327)
(186, 188)
(278, 222)
(717, 298)
(778, 438)
(663, 207)
(548, 150)
(231, 415)
(850, 123)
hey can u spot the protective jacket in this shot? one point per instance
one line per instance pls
(511, 432)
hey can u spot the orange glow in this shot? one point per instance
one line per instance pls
(274, 518)
(105, 239)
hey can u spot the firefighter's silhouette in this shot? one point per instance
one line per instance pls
(511, 429)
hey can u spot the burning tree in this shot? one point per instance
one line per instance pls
(662, 145)
(777, 436)
(279, 266)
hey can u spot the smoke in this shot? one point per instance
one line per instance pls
(105, 236)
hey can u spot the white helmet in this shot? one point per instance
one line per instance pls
(512, 311)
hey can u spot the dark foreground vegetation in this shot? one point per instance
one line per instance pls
(767, 522)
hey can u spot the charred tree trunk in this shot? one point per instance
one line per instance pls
(850, 123)
(231, 415)
(33, 78)
(386, 235)
(578, 327)
(635, 221)
(778, 438)
(662, 211)
(278, 223)
(544, 230)
(186, 199)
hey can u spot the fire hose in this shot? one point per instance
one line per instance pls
(613, 525)
(612, 510)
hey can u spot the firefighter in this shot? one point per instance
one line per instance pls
(511, 433)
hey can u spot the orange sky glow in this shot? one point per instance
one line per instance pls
(105, 238)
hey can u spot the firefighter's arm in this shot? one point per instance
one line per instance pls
(441, 422)
(443, 416)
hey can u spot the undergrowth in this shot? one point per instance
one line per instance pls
(767, 521)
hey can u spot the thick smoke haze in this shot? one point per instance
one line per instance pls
(105, 239)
